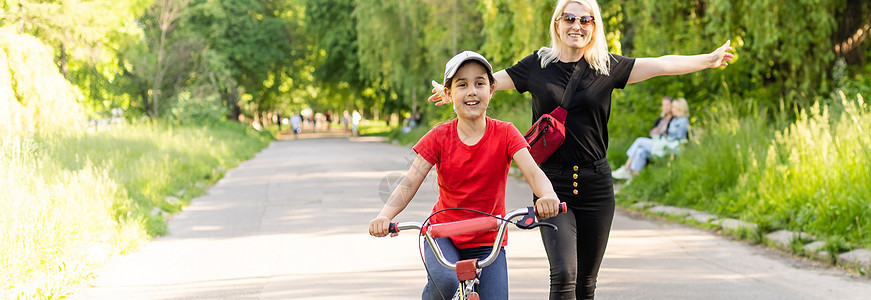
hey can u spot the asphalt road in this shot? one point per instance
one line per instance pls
(291, 223)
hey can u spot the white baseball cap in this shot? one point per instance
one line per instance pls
(455, 62)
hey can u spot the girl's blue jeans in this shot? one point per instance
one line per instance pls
(493, 279)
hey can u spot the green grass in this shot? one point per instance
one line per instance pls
(73, 199)
(376, 128)
(810, 174)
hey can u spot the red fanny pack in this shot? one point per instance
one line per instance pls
(546, 135)
(549, 131)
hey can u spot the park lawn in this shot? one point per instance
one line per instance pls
(804, 174)
(75, 198)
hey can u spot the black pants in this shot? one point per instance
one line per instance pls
(575, 251)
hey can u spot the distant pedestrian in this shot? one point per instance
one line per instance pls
(296, 123)
(329, 118)
(346, 121)
(355, 122)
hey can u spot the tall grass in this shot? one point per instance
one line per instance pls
(808, 175)
(74, 198)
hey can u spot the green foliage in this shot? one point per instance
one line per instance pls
(390, 53)
(199, 110)
(773, 49)
(254, 45)
(333, 26)
(25, 71)
(84, 37)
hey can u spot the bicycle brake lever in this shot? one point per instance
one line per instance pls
(545, 224)
(528, 220)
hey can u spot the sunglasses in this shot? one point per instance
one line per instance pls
(569, 19)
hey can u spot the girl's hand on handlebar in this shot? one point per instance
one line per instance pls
(438, 94)
(547, 207)
(379, 226)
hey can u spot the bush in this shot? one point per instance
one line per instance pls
(199, 110)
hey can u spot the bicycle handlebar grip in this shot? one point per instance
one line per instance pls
(392, 228)
(562, 208)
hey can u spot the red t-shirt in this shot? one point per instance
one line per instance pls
(471, 177)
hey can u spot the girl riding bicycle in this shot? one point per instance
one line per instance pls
(472, 155)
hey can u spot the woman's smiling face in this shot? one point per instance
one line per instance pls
(575, 35)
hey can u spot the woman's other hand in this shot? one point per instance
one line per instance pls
(438, 94)
(721, 57)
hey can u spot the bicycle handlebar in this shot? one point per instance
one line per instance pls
(470, 226)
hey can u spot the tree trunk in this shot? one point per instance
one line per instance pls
(233, 104)
(158, 76)
(168, 12)
(64, 69)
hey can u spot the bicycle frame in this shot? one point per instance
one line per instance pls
(468, 270)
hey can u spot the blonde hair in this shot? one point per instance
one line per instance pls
(597, 55)
(680, 108)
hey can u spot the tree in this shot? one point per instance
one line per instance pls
(166, 15)
(85, 37)
(336, 73)
(256, 41)
(784, 49)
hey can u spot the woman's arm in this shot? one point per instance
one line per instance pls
(400, 197)
(547, 205)
(503, 82)
(647, 67)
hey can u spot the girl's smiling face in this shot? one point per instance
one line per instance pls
(470, 91)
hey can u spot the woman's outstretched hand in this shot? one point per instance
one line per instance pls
(721, 57)
(438, 94)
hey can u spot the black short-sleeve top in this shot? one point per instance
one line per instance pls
(589, 107)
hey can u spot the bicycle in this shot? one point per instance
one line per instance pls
(469, 270)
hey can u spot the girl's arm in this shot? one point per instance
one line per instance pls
(400, 197)
(648, 67)
(503, 82)
(547, 205)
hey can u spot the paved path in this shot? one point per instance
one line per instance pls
(291, 223)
